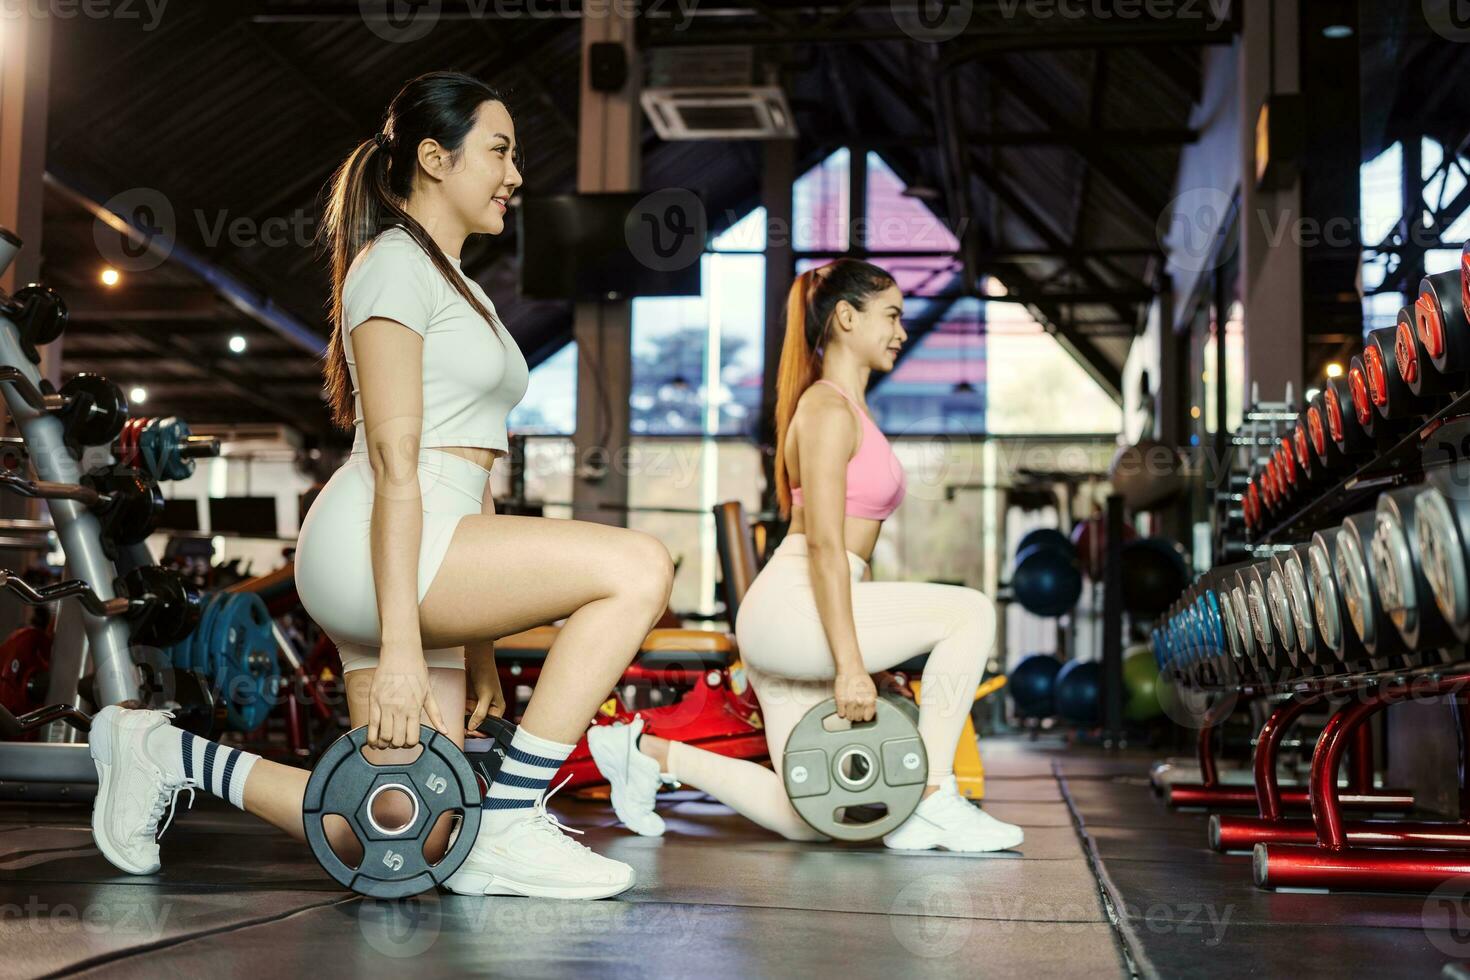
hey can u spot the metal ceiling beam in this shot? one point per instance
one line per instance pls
(140, 303)
(1074, 137)
(252, 303)
(984, 42)
(1049, 115)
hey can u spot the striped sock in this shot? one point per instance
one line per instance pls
(529, 767)
(218, 770)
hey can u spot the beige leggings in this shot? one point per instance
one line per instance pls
(788, 662)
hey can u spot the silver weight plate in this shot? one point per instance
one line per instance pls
(1326, 604)
(1299, 595)
(834, 770)
(1393, 569)
(1243, 617)
(1352, 576)
(1227, 617)
(1443, 554)
(1280, 609)
(1260, 615)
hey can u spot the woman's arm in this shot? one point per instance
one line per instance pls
(827, 441)
(390, 376)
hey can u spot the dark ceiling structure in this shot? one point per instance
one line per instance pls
(1052, 144)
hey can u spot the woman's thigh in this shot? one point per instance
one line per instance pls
(782, 634)
(503, 574)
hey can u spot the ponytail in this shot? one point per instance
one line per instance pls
(368, 194)
(809, 309)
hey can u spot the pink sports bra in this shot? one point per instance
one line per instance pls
(875, 478)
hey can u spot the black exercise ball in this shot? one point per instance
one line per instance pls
(1032, 683)
(1079, 693)
(1049, 537)
(1046, 581)
(1154, 573)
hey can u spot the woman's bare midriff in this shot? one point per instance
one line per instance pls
(483, 458)
(859, 534)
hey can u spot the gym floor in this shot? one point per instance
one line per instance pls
(1109, 883)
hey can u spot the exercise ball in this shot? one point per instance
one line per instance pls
(1140, 684)
(1048, 537)
(1147, 475)
(1154, 573)
(1079, 692)
(1032, 683)
(1046, 581)
(1090, 541)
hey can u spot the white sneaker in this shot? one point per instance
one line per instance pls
(534, 858)
(132, 789)
(633, 776)
(947, 821)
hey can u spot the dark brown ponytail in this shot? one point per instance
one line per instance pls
(371, 187)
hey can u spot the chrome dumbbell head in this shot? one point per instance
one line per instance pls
(1442, 528)
(1354, 570)
(1398, 575)
(1341, 644)
(1282, 621)
(1298, 586)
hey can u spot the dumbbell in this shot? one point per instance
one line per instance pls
(1412, 359)
(1356, 576)
(128, 505)
(1297, 584)
(1270, 656)
(1283, 620)
(1340, 641)
(1390, 393)
(39, 314)
(156, 601)
(1377, 428)
(163, 447)
(92, 409)
(1439, 314)
(1325, 449)
(1398, 573)
(1240, 602)
(1340, 414)
(1442, 527)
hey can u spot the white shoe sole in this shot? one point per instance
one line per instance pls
(940, 844)
(469, 882)
(104, 785)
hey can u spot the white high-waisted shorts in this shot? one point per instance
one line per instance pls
(334, 562)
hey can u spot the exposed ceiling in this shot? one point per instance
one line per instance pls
(1053, 145)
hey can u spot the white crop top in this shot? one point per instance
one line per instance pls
(472, 376)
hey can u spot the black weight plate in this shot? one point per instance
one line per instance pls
(344, 782)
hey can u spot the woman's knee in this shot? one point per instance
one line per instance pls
(975, 615)
(646, 572)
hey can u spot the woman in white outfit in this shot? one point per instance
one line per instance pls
(402, 559)
(812, 625)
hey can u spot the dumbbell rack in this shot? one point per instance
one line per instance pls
(1385, 451)
(95, 625)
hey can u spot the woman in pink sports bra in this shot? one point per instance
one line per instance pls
(812, 626)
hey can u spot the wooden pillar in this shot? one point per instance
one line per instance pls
(25, 83)
(608, 159)
(777, 178)
(1271, 250)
